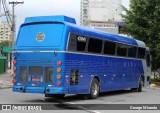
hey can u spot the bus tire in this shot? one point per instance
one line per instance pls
(94, 89)
(139, 89)
(59, 96)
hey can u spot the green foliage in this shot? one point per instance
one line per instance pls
(143, 23)
(5, 43)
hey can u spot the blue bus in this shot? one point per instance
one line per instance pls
(54, 56)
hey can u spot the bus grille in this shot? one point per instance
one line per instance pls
(23, 74)
(36, 73)
(48, 74)
(35, 70)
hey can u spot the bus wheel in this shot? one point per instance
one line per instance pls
(94, 90)
(59, 96)
(139, 89)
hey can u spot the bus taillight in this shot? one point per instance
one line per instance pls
(58, 83)
(14, 62)
(13, 75)
(58, 76)
(59, 63)
(13, 81)
(59, 70)
(14, 68)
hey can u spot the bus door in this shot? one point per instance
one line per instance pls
(148, 69)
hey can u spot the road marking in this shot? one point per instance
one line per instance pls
(82, 107)
(86, 109)
(70, 103)
(96, 112)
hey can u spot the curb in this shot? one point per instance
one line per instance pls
(153, 86)
(4, 84)
(5, 87)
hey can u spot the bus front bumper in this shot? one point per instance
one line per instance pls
(41, 90)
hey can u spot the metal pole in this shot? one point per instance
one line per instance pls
(0, 10)
(13, 28)
(13, 20)
(13, 35)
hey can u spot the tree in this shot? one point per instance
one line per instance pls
(4, 43)
(143, 23)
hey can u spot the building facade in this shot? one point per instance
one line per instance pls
(101, 14)
(84, 12)
(5, 31)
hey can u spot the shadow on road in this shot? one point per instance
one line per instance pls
(66, 102)
(74, 98)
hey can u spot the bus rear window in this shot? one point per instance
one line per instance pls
(35, 70)
(40, 35)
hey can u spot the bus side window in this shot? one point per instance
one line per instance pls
(132, 51)
(148, 60)
(109, 48)
(121, 50)
(95, 45)
(81, 43)
(72, 42)
(141, 53)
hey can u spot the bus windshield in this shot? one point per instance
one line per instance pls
(40, 35)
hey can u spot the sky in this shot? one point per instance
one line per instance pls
(49, 7)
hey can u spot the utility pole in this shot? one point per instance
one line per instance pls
(0, 10)
(14, 3)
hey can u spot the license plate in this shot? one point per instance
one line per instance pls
(36, 79)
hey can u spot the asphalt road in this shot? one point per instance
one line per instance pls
(82, 105)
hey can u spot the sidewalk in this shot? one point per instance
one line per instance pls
(5, 81)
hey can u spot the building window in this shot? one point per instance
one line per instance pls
(95, 45)
(121, 50)
(109, 48)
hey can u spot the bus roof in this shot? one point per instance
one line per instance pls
(105, 35)
(58, 18)
(73, 27)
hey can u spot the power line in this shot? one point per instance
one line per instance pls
(7, 11)
(4, 8)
